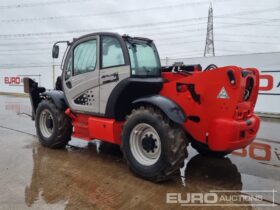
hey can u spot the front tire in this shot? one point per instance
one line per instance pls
(153, 146)
(53, 126)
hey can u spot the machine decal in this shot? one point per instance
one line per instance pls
(223, 94)
(85, 99)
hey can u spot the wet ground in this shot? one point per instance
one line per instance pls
(78, 177)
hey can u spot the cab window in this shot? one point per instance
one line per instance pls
(85, 57)
(112, 54)
(68, 69)
(144, 59)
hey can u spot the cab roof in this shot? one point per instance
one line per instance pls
(125, 36)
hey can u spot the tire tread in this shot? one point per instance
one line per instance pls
(177, 143)
(64, 130)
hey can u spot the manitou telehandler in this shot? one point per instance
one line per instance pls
(113, 88)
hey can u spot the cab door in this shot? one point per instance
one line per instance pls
(114, 67)
(81, 76)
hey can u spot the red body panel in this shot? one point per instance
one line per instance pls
(88, 127)
(227, 134)
(105, 129)
(221, 119)
(225, 123)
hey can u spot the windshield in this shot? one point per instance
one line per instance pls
(144, 58)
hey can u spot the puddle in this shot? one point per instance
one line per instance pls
(82, 177)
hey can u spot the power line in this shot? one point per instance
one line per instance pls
(62, 36)
(254, 18)
(25, 43)
(180, 53)
(26, 64)
(53, 41)
(263, 23)
(191, 30)
(248, 35)
(39, 4)
(179, 25)
(19, 66)
(245, 42)
(40, 37)
(182, 35)
(182, 30)
(142, 25)
(175, 38)
(218, 40)
(168, 44)
(179, 43)
(241, 24)
(4, 36)
(24, 54)
(28, 49)
(53, 18)
(248, 12)
(86, 30)
(158, 42)
(245, 24)
(26, 67)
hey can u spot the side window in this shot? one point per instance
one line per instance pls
(68, 69)
(112, 54)
(85, 57)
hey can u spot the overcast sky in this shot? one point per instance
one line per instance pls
(178, 27)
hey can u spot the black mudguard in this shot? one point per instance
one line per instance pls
(170, 108)
(37, 94)
(58, 98)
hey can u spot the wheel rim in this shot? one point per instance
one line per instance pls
(145, 144)
(46, 123)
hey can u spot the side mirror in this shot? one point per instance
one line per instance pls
(55, 51)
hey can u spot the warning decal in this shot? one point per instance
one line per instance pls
(223, 93)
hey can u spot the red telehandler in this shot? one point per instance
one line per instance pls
(113, 88)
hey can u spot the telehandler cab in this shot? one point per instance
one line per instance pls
(113, 88)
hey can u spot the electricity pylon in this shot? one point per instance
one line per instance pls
(209, 44)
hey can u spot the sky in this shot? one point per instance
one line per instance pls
(178, 27)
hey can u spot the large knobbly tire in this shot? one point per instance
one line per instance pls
(53, 126)
(154, 132)
(205, 151)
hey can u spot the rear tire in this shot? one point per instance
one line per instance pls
(153, 146)
(204, 150)
(53, 126)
